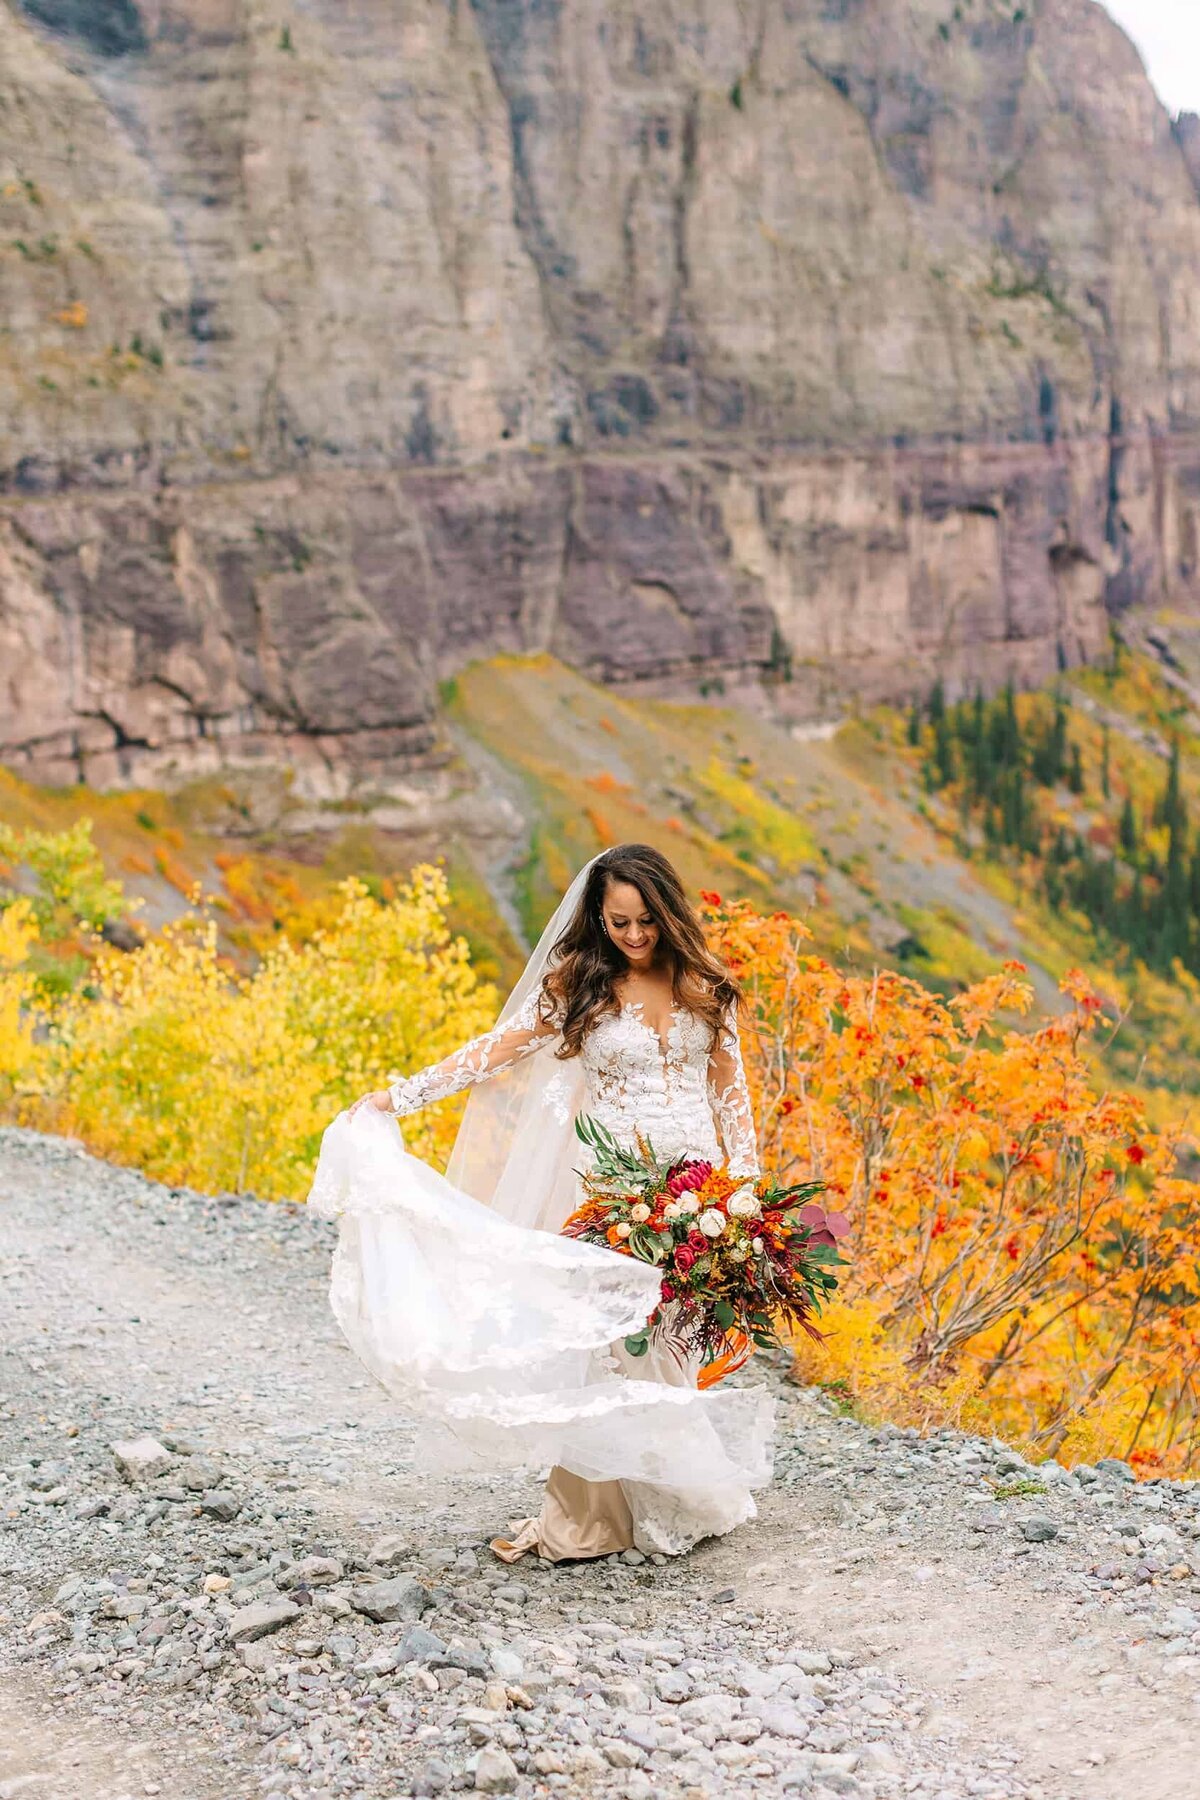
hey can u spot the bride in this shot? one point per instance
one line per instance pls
(458, 1293)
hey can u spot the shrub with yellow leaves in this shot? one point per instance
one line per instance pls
(72, 888)
(20, 1054)
(171, 1060)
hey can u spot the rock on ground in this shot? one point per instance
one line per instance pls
(890, 1627)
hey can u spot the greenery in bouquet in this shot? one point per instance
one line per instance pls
(744, 1260)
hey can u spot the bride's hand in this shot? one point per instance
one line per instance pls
(381, 1100)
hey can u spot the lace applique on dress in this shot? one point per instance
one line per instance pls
(635, 1083)
(729, 1097)
(685, 1095)
(556, 1097)
(477, 1061)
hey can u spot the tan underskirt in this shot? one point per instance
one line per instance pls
(578, 1519)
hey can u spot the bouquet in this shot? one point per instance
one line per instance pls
(741, 1259)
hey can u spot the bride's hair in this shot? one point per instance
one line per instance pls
(578, 986)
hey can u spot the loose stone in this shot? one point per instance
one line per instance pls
(256, 1621)
(387, 1601)
(142, 1459)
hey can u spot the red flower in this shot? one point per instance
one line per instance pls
(685, 1256)
(666, 1292)
(709, 898)
(1136, 1154)
(689, 1177)
(696, 1241)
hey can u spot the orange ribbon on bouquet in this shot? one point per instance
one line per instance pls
(740, 1351)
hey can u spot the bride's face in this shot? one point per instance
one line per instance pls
(627, 922)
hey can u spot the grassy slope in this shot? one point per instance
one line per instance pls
(810, 824)
(834, 828)
(813, 824)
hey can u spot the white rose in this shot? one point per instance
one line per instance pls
(685, 1204)
(623, 1229)
(639, 1213)
(757, 1246)
(739, 1253)
(711, 1223)
(744, 1204)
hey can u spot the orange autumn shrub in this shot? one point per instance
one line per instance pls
(1022, 1237)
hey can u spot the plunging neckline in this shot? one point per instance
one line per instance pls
(638, 1009)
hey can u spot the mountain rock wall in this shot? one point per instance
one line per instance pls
(818, 344)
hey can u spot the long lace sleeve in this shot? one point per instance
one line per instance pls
(477, 1061)
(729, 1098)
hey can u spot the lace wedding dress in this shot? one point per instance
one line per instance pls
(504, 1337)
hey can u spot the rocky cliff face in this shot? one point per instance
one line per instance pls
(819, 342)
(1187, 131)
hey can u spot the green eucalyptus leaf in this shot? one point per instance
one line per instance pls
(646, 1245)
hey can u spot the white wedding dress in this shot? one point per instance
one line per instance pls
(506, 1338)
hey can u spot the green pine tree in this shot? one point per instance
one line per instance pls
(945, 759)
(1174, 939)
(1128, 828)
(981, 758)
(1049, 758)
(1075, 771)
(1106, 893)
(1011, 729)
(1052, 887)
(1170, 807)
(1105, 784)
(937, 702)
(1015, 808)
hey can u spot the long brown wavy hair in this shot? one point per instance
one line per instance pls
(580, 983)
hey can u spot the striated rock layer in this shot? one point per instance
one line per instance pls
(816, 343)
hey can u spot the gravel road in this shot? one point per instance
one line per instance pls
(220, 1578)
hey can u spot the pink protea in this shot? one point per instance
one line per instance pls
(688, 1177)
